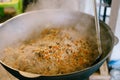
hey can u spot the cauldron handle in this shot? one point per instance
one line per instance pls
(116, 40)
(18, 75)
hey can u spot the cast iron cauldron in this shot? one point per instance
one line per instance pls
(13, 31)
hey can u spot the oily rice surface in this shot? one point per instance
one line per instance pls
(55, 51)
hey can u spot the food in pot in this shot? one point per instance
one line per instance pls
(55, 51)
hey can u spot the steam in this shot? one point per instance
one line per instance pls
(30, 25)
(75, 5)
(70, 5)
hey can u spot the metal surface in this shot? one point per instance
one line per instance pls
(97, 26)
